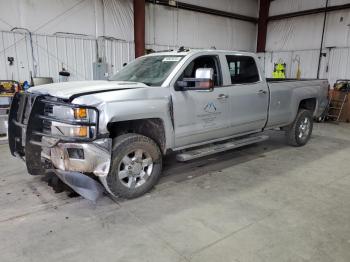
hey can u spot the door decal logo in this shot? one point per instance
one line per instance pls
(210, 107)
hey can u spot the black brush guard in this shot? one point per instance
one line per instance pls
(26, 122)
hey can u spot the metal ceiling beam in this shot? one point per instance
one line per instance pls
(262, 25)
(201, 9)
(310, 12)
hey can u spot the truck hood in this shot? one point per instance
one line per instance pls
(66, 90)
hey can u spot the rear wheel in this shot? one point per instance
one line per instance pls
(136, 166)
(299, 132)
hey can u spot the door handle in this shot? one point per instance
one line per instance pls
(222, 96)
(263, 92)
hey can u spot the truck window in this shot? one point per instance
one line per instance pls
(208, 61)
(242, 69)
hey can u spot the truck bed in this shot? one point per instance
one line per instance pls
(291, 79)
(287, 94)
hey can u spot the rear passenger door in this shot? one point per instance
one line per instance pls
(249, 96)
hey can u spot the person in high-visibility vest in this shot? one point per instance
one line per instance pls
(279, 71)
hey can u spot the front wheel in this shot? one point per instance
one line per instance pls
(136, 166)
(299, 132)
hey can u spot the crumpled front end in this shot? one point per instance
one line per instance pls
(93, 157)
(73, 160)
(49, 135)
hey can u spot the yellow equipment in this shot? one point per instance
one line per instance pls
(279, 70)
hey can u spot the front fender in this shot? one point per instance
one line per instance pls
(136, 109)
(142, 109)
(112, 111)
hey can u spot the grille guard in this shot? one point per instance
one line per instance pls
(25, 128)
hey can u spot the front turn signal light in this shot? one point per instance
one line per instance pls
(80, 113)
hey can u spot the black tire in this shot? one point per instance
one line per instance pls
(293, 132)
(122, 146)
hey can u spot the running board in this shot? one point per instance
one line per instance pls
(213, 149)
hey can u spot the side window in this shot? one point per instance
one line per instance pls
(203, 62)
(242, 69)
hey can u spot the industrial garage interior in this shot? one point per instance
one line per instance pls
(227, 139)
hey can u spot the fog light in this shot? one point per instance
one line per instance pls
(75, 153)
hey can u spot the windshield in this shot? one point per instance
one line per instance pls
(150, 70)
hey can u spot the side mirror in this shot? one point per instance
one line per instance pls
(202, 81)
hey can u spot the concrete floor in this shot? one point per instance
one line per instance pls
(268, 202)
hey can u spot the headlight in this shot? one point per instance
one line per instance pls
(75, 115)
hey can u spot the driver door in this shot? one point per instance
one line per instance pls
(200, 115)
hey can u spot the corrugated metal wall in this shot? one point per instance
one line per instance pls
(278, 7)
(168, 27)
(300, 38)
(51, 53)
(86, 23)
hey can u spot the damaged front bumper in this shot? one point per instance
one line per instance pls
(74, 160)
(93, 157)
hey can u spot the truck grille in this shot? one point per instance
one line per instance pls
(28, 107)
(32, 115)
(48, 110)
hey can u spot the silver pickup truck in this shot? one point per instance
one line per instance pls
(193, 102)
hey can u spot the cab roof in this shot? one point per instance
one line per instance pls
(186, 52)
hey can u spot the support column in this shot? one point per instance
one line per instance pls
(139, 27)
(262, 25)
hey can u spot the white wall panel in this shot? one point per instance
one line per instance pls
(166, 26)
(278, 7)
(161, 25)
(51, 53)
(160, 47)
(88, 17)
(48, 17)
(117, 53)
(119, 19)
(339, 64)
(297, 33)
(338, 2)
(337, 32)
(336, 65)
(83, 20)
(261, 59)
(246, 7)
(302, 35)
(14, 45)
(243, 35)
(308, 62)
